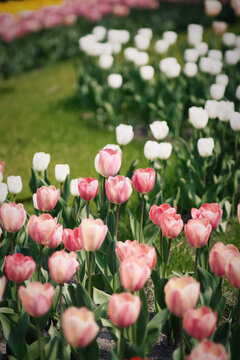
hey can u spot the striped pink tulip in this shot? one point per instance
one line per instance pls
(200, 323)
(62, 266)
(110, 162)
(2, 286)
(79, 326)
(47, 198)
(124, 309)
(233, 271)
(71, 239)
(143, 180)
(92, 234)
(19, 268)
(198, 232)
(219, 257)
(88, 188)
(118, 189)
(208, 350)
(134, 272)
(12, 216)
(156, 212)
(171, 225)
(211, 211)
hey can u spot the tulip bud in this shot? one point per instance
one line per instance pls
(143, 180)
(74, 187)
(219, 27)
(118, 189)
(19, 268)
(190, 69)
(156, 212)
(130, 53)
(217, 91)
(222, 79)
(212, 212)
(146, 72)
(208, 350)
(14, 184)
(181, 294)
(198, 117)
(141, 42)
(114, 81)
(88, 188)
(233, 270)
(71, 239)
(12, 216)
(151, 150)
(171, 225)
(229, 39)
(99, 32)
(141, 59)
(191, 55)
(161, 46)
(134, 272)
(205, 146)
(61, 172)
(3, 192)
(124, 134)
(170, 37)
(36, 298)
(105, 61)
(202, 48)
(92, 234)
(200, 323)
(47, 197)
(198, 232)
(232, 57)
(41, 161)
(164, 150)
(159, 129)
(147, 32)
(79, 326)
(212, 108)
(170, 67)
(124, 309)
(109, 162)
(235, 121)
(62, 266)
(195, 32)
(34, 199)
(2, 286)
(219, 257)
(225, 110)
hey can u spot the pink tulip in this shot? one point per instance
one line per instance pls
(19, 268)
(130, 248)
(198, 232)
(233, 271)
(44, 230)
(156, 212)
(219, 257)
(109, 162)
(2, 286)
(2, 167)
(143, 180)
(200, 323)
(88, 188)
(171, 225)
(62, 266)
(118, 189)
(92, 234)
(208, 350)
(36, 298)
(12, 216)
(47, 197)
(210, 211)
(134, 272)
(0, 232)
(124, 309)
(79, 326)
(71, 239)
(238, 213)
(181, 294)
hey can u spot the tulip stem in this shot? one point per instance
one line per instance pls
(116, 220)
(196, 263)
(181, 340)
(61, 189)
(121, 347)
(204, 172)
(89, 272)
(60, 303)
(39, 340)
(40, 262)
(167, 258)
(12, 244)
(236, 146)
(219, 293)
(141, 224)
(102, 194)
(88, 209)
(161, 245)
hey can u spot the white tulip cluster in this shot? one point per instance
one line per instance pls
(154, 150)
(170, 67)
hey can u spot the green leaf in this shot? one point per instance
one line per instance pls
(155, 327)
(112, 258)
(79, 296)
(177, 354)
(235, 353)
(33, 349)
(135, 226)
(222, 334)
(111, 223)
(66, 189)
(100, 297)
(159, 292)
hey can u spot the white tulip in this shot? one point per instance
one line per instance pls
(190, 69)
(130, 53)
(205, 146)
(151, 150)
(147, 32)
(96, 163)
(215, 54)
(232, 56)
(41, 161)
(222, 79)
(170, 37)
(3, 192)
(84, 41)
(141, 59)
(237, 94)
(212, 7)
(225, 109)
(202, 48)
(170, 67)
(215, 67)
(164, 150)
(191, 55)
(115, 81)
(93, 49)
(14, 184)
(1, 177)
(198, 117)
(235, 121)
(124, 134)
(74, 187)
(106, 48)
(159, 129)
(105, 61)
(146, 72)
(212, 106)
(217, 91)
(229, 39)
(35, 204)
(219, 27)
(195, 32)
(141, 42)
(116, 47)
(124, 36)
(161, 46)
(61, 172)
(116, 36)
(99, 32)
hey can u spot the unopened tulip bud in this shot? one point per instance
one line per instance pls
(71, 239)
(219, 27)
(202, 48)
(146, 72)
(109, 162)
(47, 197)
(115, 81)
(200, 323)
(212, 108)
(161, 46)
(12, 216)
(170, 37)
(205, 146)
(159, 129)
(143, 180)
(233, 270)
(198, 117)
(212, 7)
(118, 189)
(14, 184)
(92, 234)
(217, 91)
(151, 150)
(124, 309)
(41, 161)
(62, 266)
(208, 350)
(171, 225)
(212, 212)
(134, 272)
(74, 187)
(235, 121)
(164, 150)
(124, 134)
(222, 79)
(229, 39)
(190, 69)
(61, 172)
(198, 232)
(19, 268)
(3, 192)
(219, 257)
(105, 61)
(88, 188)
(191, 55)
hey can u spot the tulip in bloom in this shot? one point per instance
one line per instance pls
(200, 323)
(3, 192)
(191, 55)
(109, 162)
(212, 108)
(190, 69)
(146, 72)
(74, 187)
(124, 134)
(219, 27)
(170, 37)
(217, 91)
(151, 150)
(92, 234)
(212, 212)
(171, 225)
(71, 239)
(156, 212)
(143, 180)
(134, 272)
(12, 216)
(79, 326)
(115, 81)
(105, 61)
(36, 298)
(47, 197)
(170, 67)
(205, 146)
(208, 350)
(212, 7)
(41, 161)
(62, 266)
(44, 230)
(164, 150)
(197, 232)
(14, 184)
(88, 188)
(181, 294)
(235, 121)
(233, 270)
(61, 172)
(161, 46)
(118, 189)
(124, 309)
(219, 257)
(159, 129)
(19, 268)
(222, 79)
(198, 117)
(2, 286)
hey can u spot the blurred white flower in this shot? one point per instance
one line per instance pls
(237, 94)
(225, 109)
(235, 121)
(161, 46)
(41, 161)
(61, 172)
(159, 129)
(202, 48)
(96, 163)
(141, 42)
(237, 44)
(146, 72)
(232, 56)
(130, 53)
(215, 54)
(74, 187)
(35, 204)
(14, 184)
(3, 192)
(198, 117)
(118, 36)
(106, 49)
(195, 32)
(99, 32)
(151, 150)
(124, 134)
(210, 66)
(147, 32)
(190, 69)
(229, 39)
(219, 27)
(170, 67)
(170, 37)
(164, 150)
(141, 59)
(116, 48)
(212, 106)
(105, 61)
(212, 7)
(191, 55)
(217, 91)
(205, 146)
(1, 177)
(115, 81)
(222, 79)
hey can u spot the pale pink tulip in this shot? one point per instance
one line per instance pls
(2, 286)
(0, 232)
(198, 232)
(2, 167)
(181, 294)
(12, 216)
(156, 212)
(238, 213)
(200, 323)
(88, 188)
(71, 239)
(211, 211)
(134, 272)
(219, 257)
(118, 189)
(208, 350)
(62, 266)
(19, 268)
(79, 326)
(233, 271)
(36, 298)
(92, 234)
(47, 197)
(109, 162)
(143, 180)
(124, 309)
(171, 225)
